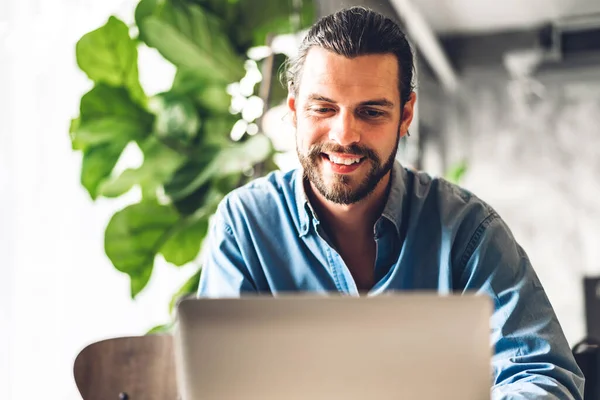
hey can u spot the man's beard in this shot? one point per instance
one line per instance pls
(340, 191)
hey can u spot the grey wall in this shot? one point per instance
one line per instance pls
(536, 159)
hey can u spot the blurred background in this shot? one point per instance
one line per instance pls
(119, 136)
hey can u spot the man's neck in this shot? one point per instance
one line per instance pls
(357, 219)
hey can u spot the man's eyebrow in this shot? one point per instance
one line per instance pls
(317, 97)
(376, 102)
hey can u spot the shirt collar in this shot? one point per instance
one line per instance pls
(304, 211)
(393, 207)
(392, 210)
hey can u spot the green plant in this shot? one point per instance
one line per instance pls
(456, 172)
(190, 161)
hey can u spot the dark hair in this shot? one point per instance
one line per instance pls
(354, 32)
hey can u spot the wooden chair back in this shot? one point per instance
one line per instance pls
(127, 368)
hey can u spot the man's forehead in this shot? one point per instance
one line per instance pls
(373, 75)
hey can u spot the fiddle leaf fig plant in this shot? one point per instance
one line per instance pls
(190, 161)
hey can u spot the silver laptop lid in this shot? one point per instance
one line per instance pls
(409, 346)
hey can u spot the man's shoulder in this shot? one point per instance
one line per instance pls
(450, 201)
(442, 210)
(267, 195)
(274, 184)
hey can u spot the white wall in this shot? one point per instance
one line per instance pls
(58, 291)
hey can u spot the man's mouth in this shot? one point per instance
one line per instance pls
(347, 160)
(343, 163)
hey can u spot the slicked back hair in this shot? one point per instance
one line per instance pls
(354, 32)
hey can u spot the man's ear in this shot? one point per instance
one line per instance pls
(408, 113)
(291, 103)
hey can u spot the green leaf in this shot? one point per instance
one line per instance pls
(456, 172)
(216, 130)
(161, 329)
(144, 9)
(160, 163)
(225, 10)
(183, 246)
(103, 131)
(214, 99)
(194, 201)
(121, 184)
(105, 100)
(134, 236)
(279, 91)
(98, 163)
(198, 201)
(187, 173)
(108, 120)
(108, 54)
(188, 81)
(226, 184)
(243, 156)
(190, 287)
(109, 114)
(209, 95)
(199, 180)
(258, 18)
(74, 124)
(236, 158)
(190, 38)
(140, 280)
(176, 117)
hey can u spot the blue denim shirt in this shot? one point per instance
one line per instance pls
(431, 236)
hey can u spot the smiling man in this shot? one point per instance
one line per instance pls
(353, 220)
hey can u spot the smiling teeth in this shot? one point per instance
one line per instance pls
(344, 161)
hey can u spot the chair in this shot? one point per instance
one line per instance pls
(128, 368)
(587, 356)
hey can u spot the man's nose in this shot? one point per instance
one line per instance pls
(344, 130)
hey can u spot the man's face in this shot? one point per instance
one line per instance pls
(348, 122)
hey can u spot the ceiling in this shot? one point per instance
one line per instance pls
(469, 16)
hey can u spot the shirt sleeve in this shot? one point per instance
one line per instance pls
(224, 270)
(532, 358)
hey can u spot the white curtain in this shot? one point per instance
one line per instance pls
(58, 291)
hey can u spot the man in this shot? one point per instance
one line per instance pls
(352, 220)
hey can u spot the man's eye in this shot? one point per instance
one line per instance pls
(321, 110)
(371, 113)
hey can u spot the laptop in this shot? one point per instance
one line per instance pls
(400, 346)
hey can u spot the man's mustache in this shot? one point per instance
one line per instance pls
(354, 149)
